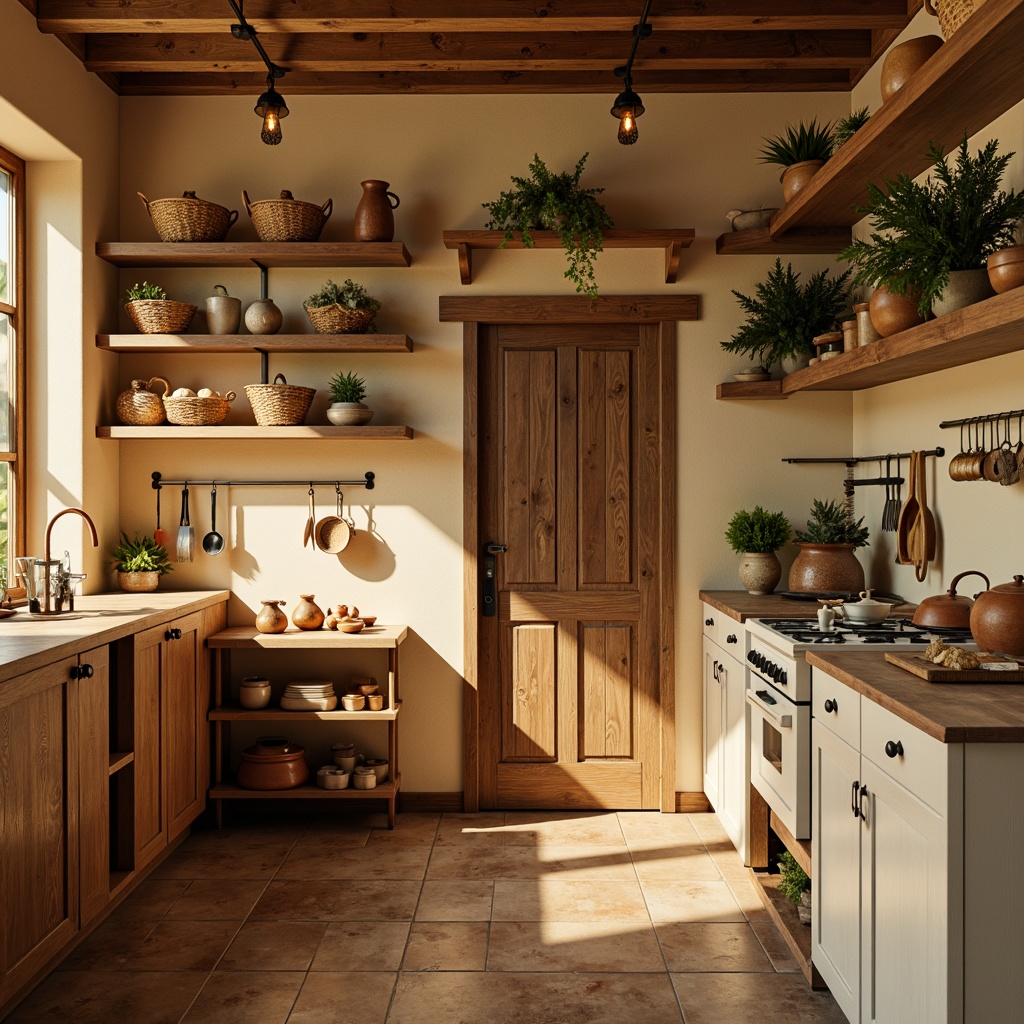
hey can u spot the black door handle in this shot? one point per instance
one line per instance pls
(854, 804)
(489, 597)
(894, 749)
(173, 634)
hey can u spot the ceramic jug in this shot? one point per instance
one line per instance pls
(307, 614)
(223, 312)
(826, 619)
(374, 220)
(271, 619)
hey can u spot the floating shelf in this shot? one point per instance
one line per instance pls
(672, 240)
(760, 241)
(377, 637)
(750, 389)
(254, 254)
(278, 715)
(254, 343)
(254, 433)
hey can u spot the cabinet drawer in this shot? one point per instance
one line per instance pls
(720, 629)
(836, 706)
(918, 762)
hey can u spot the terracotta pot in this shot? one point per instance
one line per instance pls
(948, 610)
(903, 60)
(832, 567)
(271, 619)
(262, 770)
(374, 221)
(997, 618)
(307, 615)
(965, 288)
(349, 414)
(796, 176)
(760, 571)
(1006, 269)
(891, 313)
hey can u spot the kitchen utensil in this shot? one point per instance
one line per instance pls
(213, 542)
(333, 533)
(186, 532)
(308, 531)
(160, 536)
(908, 514)
(864, 612)
(948, 610)
(921, 539)
(997, 618)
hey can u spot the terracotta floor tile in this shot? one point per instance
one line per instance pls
(579, 862)
(486, 998)
(183, 946)
(154, 897)
(409, 830)
(553, 828)
(752, 999)
(221, 899)
(443, 900)
(674, 863)
(708, 828)
(362, 946)
(333, 901)
(321, 858)
(691, 902)
(225, 859)
(446, 946)
(108, 947)
(746, 894)
(573, 946)
(273, 946)
(484, 829)
(554, 899)
(245, 997)
(344, 998)
(712, 947)
(640, 827)
(775, 946)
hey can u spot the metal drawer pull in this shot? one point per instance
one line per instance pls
(860, 802)
(854, 789)
(831, 705)
(894, 749)
(172, 634)
(782, 721)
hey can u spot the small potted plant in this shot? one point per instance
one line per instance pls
(827, 562)
(555, 202)
(795, 885)
(153, 313)
(847, 127)
(342, 309)
(802, 151)
(140, 562)
(347, 394)
(757, 536)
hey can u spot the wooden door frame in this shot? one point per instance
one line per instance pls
(659, 311)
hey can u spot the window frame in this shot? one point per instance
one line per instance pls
(14, 456)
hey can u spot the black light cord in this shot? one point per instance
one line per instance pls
(243, 30)
(640, 31)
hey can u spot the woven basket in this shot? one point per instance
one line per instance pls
(951, 13)
(161, 316)
(279, 405)
(198, 412)
(140, 407)
(287, 219)
(337, 319)
(189, 219)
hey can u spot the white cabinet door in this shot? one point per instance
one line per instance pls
(712, 724)
(735, 786)
(836, 868)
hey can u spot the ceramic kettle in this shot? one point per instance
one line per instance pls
(949, 610)
(997, 618)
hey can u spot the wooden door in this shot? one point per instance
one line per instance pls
(569, 477)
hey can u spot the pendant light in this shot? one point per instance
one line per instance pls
(271, 105)
(628, 106)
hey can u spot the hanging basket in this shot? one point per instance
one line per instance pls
(279, 405)
(160, 316)
(335, 319)
(951, 13)
(198, 412)
(189, 219)
(287, 219)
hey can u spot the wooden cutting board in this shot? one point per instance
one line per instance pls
(932, 673)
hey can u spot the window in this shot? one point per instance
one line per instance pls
(12, 332)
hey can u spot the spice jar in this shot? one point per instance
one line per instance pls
(849, 335)
(866, 332)
(829, 345)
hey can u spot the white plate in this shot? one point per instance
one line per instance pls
(309, 704)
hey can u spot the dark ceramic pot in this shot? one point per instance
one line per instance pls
(826, 567)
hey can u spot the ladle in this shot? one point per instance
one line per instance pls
(213, 542)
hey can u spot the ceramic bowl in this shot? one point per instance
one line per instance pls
(337, 779)
(353, 702)
(368, 620)
(1006, 269)
(346, 763)
(379, 766)
(367, 688)
(353, 626)
(375, 701)
(364, 778)
(744, 220)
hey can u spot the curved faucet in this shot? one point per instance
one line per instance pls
(64, 512)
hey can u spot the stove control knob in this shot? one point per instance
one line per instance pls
(776, 673)
(782, 678)
(771, 668)
(752, 657)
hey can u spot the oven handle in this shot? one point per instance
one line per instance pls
(754, 698)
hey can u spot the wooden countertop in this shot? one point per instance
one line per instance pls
(740, 605)
(28, 642)
(951, 712)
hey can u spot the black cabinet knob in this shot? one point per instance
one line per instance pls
(894, 749)
(831, 705)
(709, 622)
(173, 634)
(86, 672)
(731, 639)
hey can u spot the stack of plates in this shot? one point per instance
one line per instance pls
(312, 696)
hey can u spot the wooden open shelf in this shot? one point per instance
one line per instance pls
(986, 329)
(239, 714)
(246, 343)
(796, 935)
(760, 241)
(119, 760)
(254, 254)
(309, 791)
(672, 240)
(254, 433)
(376, 637)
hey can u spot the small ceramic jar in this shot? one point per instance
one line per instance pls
(271, 619)
(336, 779)
(379, 766)
(364, 778)
(322, 773)
(345, 763)
(254, 692)
(849, 335)
(829, 345)
(343, 749)
(866, 332)
(353, 702)
(263, 317)
(375, 701)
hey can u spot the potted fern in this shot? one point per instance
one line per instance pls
(153, 313)
(757, 536)
(795, 885)
(342, 309)
(802, 151)
(347, 408)
(555, 202)
(827, 562)
(140, 562)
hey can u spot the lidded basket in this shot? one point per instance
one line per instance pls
(287, 219)
(140, 407)
(189, 219)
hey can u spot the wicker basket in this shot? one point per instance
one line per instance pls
(198, 412)
(335, 319)
(279, 405)
(951, 13)
(140, 407)
(161, 316)
(189, 219)
(287, 219)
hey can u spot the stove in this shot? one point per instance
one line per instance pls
(796, 634)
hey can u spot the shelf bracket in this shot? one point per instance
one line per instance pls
(673, 253)
(264, 282)
(465, 263)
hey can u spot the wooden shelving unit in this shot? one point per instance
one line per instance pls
(240, 714)
(254, 254)
(672, 240)
(760, 241)
(310, 432)
(247, 343)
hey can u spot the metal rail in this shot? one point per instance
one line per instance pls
(367, 482)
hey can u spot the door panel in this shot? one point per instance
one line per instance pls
(529, 725)
(606, 688)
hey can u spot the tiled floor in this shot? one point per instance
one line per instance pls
(536, 918)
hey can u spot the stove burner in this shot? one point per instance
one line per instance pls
(889, 631)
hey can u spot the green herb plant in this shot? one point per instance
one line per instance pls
(140, 554)
(347, 387)
(757, 531)
(555, 202)
(831, 523)
(350, 294)
(144, 291)
(847, 127)
(953, 221)
(805, 142)
(783, 317)
(794, 881)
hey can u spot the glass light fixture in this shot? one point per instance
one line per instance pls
(271, 107)
(627, 108)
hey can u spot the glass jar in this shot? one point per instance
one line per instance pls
(866, 332)
(829, 345)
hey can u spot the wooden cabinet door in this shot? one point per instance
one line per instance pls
(184, 725)
(141, 705)
(38, 821)
(712, 724)
(734, 808)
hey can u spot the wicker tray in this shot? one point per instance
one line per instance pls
(951, 13)
(189, 219)
(287, 219)
(198, 412)
(160, 316)
(279, 405)
(337, 319)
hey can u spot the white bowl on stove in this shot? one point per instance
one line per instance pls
(865, 612)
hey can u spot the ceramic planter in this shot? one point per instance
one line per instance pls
(349, 414)
(965, 288)
(760, 571)
(891, 313)
(1006, 268)
(796, 176)
(138, 582)
(826, 567)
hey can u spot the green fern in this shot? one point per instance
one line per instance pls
(757, 531)
(847, 127)
(805, 142)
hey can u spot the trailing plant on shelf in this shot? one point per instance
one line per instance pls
(805, 142)
(921, 232)
(783, 317)
(555, 202)
(832, 523)
(347, 393)
(342, 309)
(847, 127)
(758, 531)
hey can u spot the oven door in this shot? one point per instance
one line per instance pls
(780, 756)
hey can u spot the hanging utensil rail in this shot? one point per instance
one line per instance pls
(367, 482)
(854, 459)
(992, 417)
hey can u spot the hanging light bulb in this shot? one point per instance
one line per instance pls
(271, 107)
(627, 108)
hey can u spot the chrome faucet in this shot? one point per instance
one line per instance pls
(63, 585)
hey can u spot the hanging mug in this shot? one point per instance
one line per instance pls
(374, 221)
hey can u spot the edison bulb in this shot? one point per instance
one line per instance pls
(271, 133)
(628, 131)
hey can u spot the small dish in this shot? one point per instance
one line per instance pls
(747, 377)
(368, 620)
(353, 702)
(350, 626)
(379, 766)
(375, 701)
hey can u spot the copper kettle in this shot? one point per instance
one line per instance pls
(997, 619)
(949, 610)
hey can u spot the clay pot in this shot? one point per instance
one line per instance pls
(374, 221)
(949, 610)
(271, 619)
(903, 60)
(262, 768)
(307, 615)
(138, 582)
(826, 567)
(965, 288)
(1006, 269)
(891, 313)
(140, 407)
(997, 618)
(760, 571)
(263, 317)
(223, 312)
(796, 176)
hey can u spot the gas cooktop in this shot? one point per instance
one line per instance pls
(890, 632)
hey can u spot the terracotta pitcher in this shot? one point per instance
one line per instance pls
(374, 220)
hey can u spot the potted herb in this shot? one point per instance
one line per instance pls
(827, 561)
(555, 202)
(347, 394)
(802, 151)
(795, 885)
(757, 536)
(342, 309)
(140, 562)
(927, 236)
(847, 127)
(784, 317)
(153, 313)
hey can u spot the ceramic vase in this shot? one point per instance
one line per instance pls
(349, 414)
(903, 60)
(223, 312)
(965, 288)
(891, 313)
(138, 582)
(374, 221)
(796, 176)
(826, 567)
(271, 619)
(263, 317)
(760, 571)
(307, 615)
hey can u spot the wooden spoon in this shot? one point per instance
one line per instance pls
(308, 532)
(907, 514)
(925, 548)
